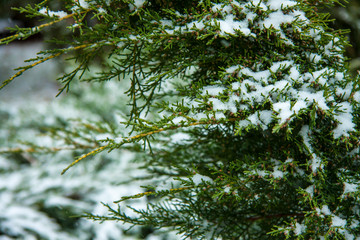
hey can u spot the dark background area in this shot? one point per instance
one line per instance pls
(348, 17)
(10, 18)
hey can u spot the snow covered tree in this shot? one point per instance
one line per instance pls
(244, 111)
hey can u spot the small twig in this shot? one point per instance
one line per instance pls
(38, 28)
(255, 218)
(139, 195)
(42, 149)
(6, 82)
(141, 135)
(100, 149)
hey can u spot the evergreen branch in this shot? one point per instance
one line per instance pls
(117, 215)
(37, 29)
(98, 150)
(139, 136)
(6, 82)
(140, 195)
(173, 127)
(255, 218)
(42, 149)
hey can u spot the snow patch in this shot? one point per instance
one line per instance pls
(50, 13)
(180, 137)
(350, 187)
(299, 228)
(344, 118)
(198, 179)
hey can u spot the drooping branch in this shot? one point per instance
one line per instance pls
(112, 146)
(37, 29)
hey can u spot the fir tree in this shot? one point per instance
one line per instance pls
(246, 111)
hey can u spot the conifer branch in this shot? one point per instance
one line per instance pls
(100, 149)
(31, 32)
(23, 69)
(281, 215)
(142, 135)
(37, 29)
(6, 82)
(39, 149)
(140, 195)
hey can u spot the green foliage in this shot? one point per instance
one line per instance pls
(246, 110)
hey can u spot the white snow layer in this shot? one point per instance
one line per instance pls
(50, 13)
(198, 179)
(350, 187)
(180, 137)
(83, 3)
(325, 210)
(278, 4)
(345, 124)
(231, 25)
(136, 4)
(213, 90)
(299, 228)
(139, 3)
(338, 222)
